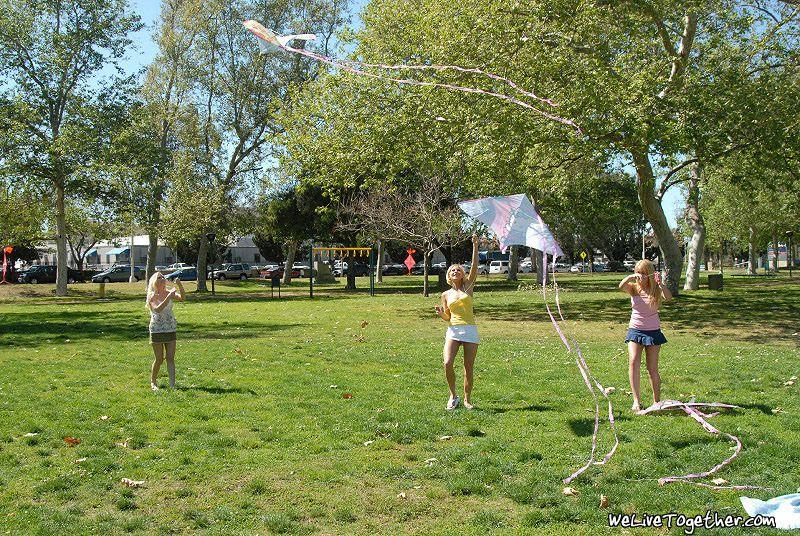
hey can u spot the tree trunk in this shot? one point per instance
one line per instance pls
(290, 255)
(513, 263)
(426, 263)
(202, 264)
(351, 273)
(774, 252)
(697, 243)
(540, 265)
(62, 262)
(152, 252)
(654, 212)
(379, 264)
(752, 262)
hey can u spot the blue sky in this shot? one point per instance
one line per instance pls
(145, 51)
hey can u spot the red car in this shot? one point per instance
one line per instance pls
(277, 271)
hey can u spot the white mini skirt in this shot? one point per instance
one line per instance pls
(467, 333)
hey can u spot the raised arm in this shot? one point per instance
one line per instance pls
(664, 290)
(473, 268)
(625, 284)
(180, 294)
(160, 307)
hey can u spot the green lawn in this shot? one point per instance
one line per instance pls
(258, 437)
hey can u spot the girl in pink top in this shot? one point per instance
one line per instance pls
(644, 330)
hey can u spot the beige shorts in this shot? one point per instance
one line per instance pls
(158, 338)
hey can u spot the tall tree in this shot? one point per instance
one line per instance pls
(51, 52)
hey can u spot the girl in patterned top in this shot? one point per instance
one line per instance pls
(163, 326)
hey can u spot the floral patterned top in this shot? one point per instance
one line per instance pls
(163, 322)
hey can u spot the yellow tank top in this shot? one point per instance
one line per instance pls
(461, 312)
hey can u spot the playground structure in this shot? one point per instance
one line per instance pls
(340, 253)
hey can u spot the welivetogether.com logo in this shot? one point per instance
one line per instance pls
(711, 520)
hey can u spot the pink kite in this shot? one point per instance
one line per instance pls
(267, 38)
(514, 221)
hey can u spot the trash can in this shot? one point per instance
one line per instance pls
(715, 281)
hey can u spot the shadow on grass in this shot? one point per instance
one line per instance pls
(214, 390)
(530, 407)
(34, 329)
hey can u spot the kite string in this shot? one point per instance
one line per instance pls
(348, 66)
(583, 367)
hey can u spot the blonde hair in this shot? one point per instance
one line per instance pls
(151, 287)
(645, 267)
(463, 272)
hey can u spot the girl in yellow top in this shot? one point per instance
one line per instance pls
(456, 309)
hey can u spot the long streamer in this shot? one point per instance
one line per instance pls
(691, 409)
(588, 377)
(358, 68)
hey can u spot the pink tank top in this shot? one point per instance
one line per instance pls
(643, 315)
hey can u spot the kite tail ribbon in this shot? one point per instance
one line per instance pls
(691, 409)
(588, 377)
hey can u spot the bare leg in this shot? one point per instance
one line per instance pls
(634, 366)
(470, 351)
(158, 350)
(450, 351)
(651, 355)
(171, 362)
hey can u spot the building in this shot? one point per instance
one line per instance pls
(118, 251)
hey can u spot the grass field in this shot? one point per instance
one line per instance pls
(258, 437)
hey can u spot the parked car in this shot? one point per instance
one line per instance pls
(266, 270)
(184, 274)
(238, 270)
(526, 266)
(482, 268)
(277, 271)
(46, 273)
(498, 267)
(629, 264)
(119, 274)
(419, 268)
(577, 268)
(394, 269)
(359, 269)
(562, 268)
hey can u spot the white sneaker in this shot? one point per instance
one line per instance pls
(453, 403)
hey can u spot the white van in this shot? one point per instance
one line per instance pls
(498, 267)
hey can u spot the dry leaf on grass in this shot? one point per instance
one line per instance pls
(401, 495)
(31, 434)
(604, 501)
(719, 481)
(72, 441)
(570, 492)
(104, 417)
(347, 396)
(446, 438)
(368, 443)
(123, 444)
(132, 483)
